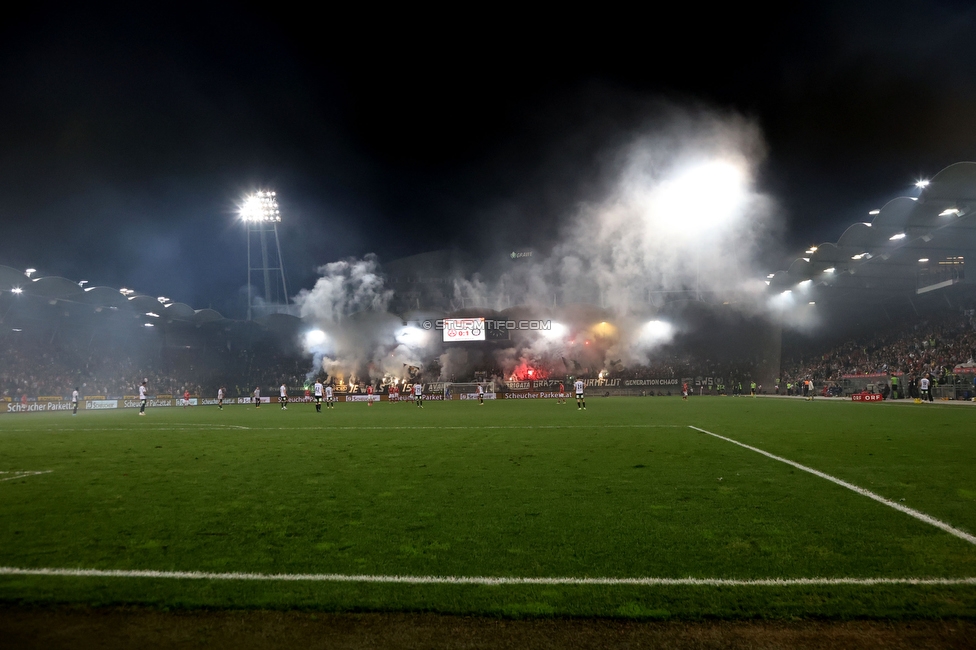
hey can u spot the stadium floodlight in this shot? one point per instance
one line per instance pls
(126, 292)
(149, 313)
(82, 283)
(29, 271)
(811, 303)
(924, 260)
(805, 259)
(150, 325)
(16, 290)
(771, 276)
(950, 212)
(922, 183)
(900, 235)
(261, 206)
(805, 283)
(261, 215)
(874, 212)
(830, 270)
(786, 293)
(163, 300)
(866, 224)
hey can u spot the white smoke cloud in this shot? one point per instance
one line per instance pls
(681, 216)
(357, 339)
(346, 287)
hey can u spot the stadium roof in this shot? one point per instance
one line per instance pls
(912, 245)
(54, 290)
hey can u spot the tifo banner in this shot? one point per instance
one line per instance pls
(866, 397)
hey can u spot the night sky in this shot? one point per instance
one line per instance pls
(129, 137)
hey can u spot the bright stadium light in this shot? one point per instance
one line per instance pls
(830, 270)
(555, 331)
(150, 325)
(16, 290)
(163, 300)
(655, 332)
(874, 212)
(29, 271)
(921, 184)
(314, 338)
(411, 336)
(261, 206)
(703, 197)
(900, 235)
(805, 283)
(149, 313)
(950, 212)
(924, 260)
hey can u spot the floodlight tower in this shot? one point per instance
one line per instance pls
(261, 217)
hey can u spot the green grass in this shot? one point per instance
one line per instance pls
(527, 489)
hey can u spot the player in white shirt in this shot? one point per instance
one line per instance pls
(418, 394)
(924, 389)
(283, 397)
(74, 401)
(580, 399)
(220, 398)
(318, 390)
(481, 395)
(329, 396)
(257, 397)
(143, 397)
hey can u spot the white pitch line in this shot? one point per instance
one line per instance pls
(514, 426)
(23, 474)
(911, 512)
(484, 580)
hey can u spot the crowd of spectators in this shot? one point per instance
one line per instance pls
(932, 345)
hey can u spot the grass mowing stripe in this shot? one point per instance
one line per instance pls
(911, 512)
(483, 580)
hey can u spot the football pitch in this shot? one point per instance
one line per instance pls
(637, 507)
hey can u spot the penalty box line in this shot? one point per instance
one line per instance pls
(485, 580)
(911, 512)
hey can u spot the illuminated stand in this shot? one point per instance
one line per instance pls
(261, 217)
